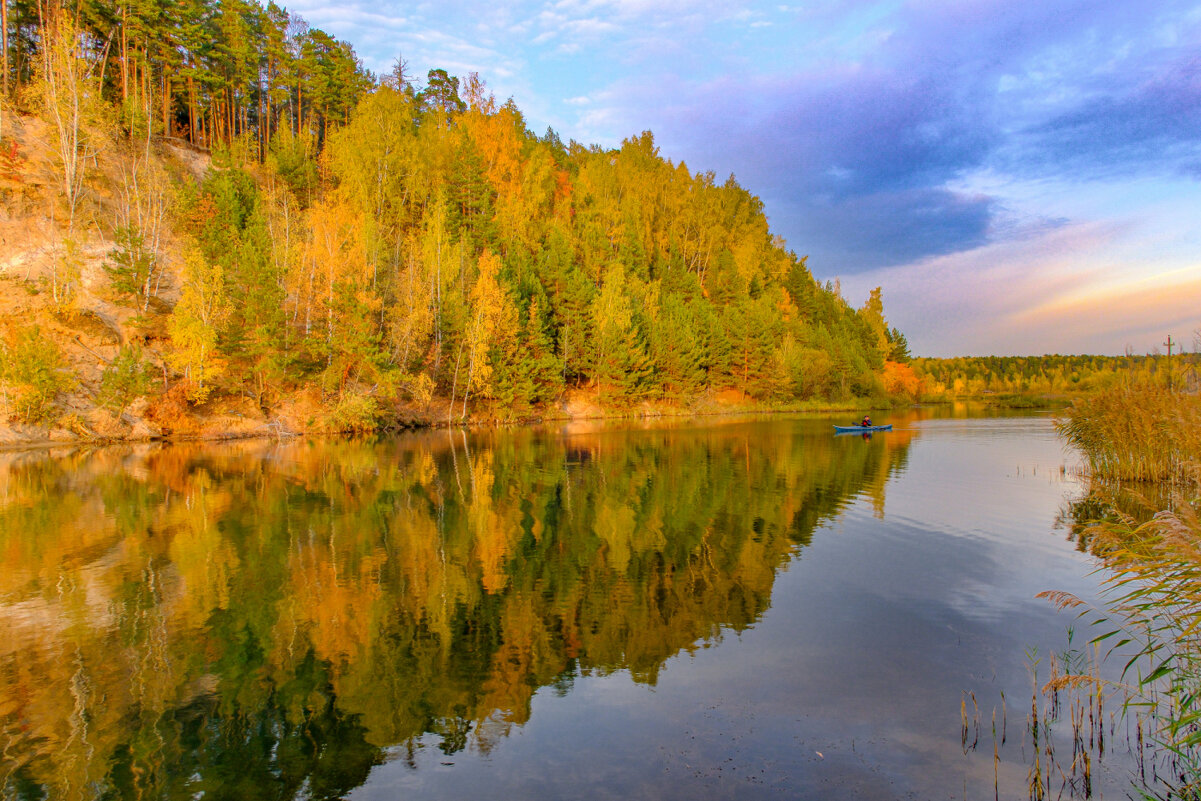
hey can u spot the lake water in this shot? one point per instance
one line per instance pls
(697, 609)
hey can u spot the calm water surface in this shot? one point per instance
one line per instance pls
(712, 609)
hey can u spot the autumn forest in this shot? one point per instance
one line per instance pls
(255, 217)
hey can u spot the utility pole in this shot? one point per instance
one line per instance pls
(1169, 343)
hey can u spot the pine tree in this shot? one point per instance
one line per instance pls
(678, 348)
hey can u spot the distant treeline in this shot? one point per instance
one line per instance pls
(975, 376)
(374, 242)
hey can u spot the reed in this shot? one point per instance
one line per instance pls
(1152, 617)
(1137, 433)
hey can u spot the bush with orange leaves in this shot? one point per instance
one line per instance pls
(171, 410)
(899, 379)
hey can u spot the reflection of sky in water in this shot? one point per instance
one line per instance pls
(996, 482)
(850, 685)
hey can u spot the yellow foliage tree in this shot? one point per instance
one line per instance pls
(873, 314)
(899, 379)
(490, 307)
(202, 308)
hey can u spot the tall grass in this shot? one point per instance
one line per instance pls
(1152, 589)
(1137, 433)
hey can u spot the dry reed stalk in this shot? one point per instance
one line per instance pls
(1137, 433)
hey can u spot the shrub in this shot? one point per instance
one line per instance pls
(421, 390)
(32, 373)
(125, 379)
(170, 410)
(354, 411)
(900, 380)
(130, 263)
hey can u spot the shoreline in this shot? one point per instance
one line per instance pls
(22, 439)
(220, 427)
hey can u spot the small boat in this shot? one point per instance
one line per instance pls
(861, 429)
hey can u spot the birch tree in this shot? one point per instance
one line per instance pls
(67, 94)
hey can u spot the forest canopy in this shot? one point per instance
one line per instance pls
(374, 241)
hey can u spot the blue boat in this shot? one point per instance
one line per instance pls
(861, 429)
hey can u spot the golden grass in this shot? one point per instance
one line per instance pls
(1137, 433)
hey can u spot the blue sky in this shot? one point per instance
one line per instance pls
(1019, 177)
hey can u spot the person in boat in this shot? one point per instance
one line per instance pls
(867, 421)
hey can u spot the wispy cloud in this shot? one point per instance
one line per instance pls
(939, 302)
(1067, 288)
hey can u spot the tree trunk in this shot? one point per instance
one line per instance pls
(145, 88)
(3, 58)
(191, 111)
(454, 387)
(124, 57)
(262, 119)
(4, 41)
(265, 122)
(746, 365)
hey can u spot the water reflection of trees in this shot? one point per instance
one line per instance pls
(262, 620)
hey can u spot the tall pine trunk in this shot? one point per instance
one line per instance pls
(192, 111)
(3, 57)
(4, 40)
(166, 103)
(124, 55)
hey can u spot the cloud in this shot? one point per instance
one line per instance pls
(380, 36)
(884, 228)
(855, 167)
(970, 302)
(1138, 312)
(1156, 122)
(588, 27)
(1059, 289)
